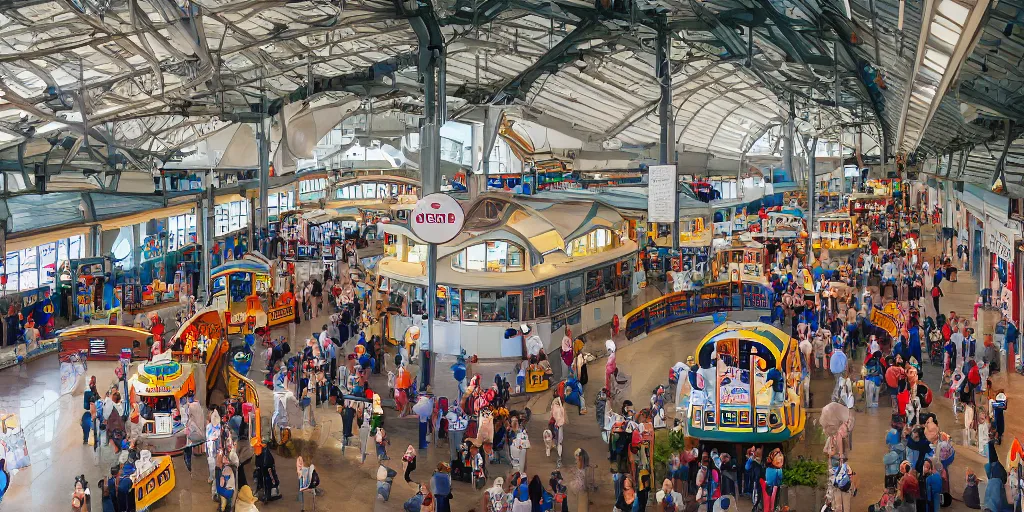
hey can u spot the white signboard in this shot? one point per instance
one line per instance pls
(437, 218)
(661, 193)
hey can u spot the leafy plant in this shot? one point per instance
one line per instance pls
(804, 472)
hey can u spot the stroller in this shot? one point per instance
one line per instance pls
(265, 477)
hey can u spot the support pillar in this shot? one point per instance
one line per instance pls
(430, 164)
(667, 140)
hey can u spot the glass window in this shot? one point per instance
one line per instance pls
(455, 300)
(459, 260)
(11, 268)
(441, 304)
(540, 302)
(29, 269)
(48, 263)
(558, 295)
(476, 256)
(76, 247)
(515, 257)
(491, 256)
(471, 306)
(382, 190)
(493, 306)
(62, 250)
(575, 290)
(513, 307)
(368, 190)
(497, 256)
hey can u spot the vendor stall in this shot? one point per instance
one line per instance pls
(105, 342)
(160, 389)
(242, 289)
(739, 261)
(835, 232)
(746, 386)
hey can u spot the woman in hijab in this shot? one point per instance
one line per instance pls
(520, 494)
(995, 490)
(536, 491)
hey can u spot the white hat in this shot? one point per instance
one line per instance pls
(610, 345)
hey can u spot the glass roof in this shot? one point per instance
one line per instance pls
(130, 86)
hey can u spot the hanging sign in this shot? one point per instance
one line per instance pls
(662, 197)
(437, 218)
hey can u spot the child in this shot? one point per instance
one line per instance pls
(382, 441)
(984, 429)
(549, 442)
(819, 352)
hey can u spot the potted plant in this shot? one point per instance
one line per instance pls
(804, 485)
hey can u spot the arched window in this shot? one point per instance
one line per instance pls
(596, 241)
(490, 256)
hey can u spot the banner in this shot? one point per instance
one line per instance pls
(885, 322)
(674, 307)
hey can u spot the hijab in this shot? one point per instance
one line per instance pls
(536, 490)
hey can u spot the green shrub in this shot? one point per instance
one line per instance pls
(804, 472)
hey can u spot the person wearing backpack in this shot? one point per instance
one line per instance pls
(669, 500)
(843, 484)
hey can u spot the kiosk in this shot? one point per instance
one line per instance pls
(242, 290)
(105, 342)
(836, 232)
(740, 261)
(746, 386)
(160, 389)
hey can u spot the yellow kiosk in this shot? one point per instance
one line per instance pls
(836, 232)
(242, 289)
(746, 386)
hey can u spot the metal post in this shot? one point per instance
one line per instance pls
(811, 167)
(430, 159)
(262, 226)
(664, 72)
(210, 229)
(485, 154)
(201, 232)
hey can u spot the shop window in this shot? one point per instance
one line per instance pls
(441, 304)
(540, 302)
(513, 307)
(575, 292)
(455, 302)
(471, 306)
(494, 306)
(608, 277)
(558, 295)
(29, 269)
